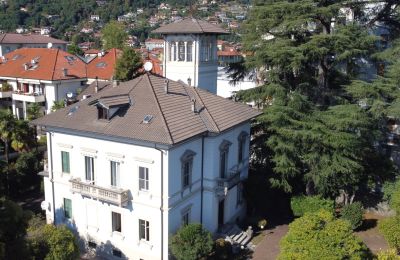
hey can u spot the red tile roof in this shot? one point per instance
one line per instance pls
(103, 67)
(231, 52)
(28, 38)
(155, 40)
(92, 51)
(48, 64)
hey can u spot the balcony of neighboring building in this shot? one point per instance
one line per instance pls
(111, 195)
(5, 90)
(32, 93)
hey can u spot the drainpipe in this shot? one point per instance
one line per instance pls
(52, 177)
(202, 179)
(162, 200)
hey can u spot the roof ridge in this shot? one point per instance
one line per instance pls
(159, 108)
(206, 110)
(201, 27)
(55, 65)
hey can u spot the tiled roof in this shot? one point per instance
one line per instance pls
(190, 25)
(231, 52)
(28, 38)
(173, 120)
(153, 40)
(90, 90)
(103, 67)
(49, 64)
(92, 51)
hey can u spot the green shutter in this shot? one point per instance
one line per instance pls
(65, 162)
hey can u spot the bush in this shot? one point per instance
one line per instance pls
(392, 194)
(390, 229)
(6, 87)
(319, 235)
(303, 204)
(223, 249)
(353, 213)
(390, 254)
(191, 242)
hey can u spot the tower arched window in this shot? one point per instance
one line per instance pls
(181, 51)
(172, 47)
(189, 51)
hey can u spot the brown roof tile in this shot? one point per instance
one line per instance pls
(190, 25)
(173, 119)
(28, 38)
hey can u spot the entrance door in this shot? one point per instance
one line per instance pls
(221, 207)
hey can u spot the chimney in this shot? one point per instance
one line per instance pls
(96, 88)
(26, 66)
(166, 85)
(189, 81)
(65, 72)
(194, 105)
(115, 83)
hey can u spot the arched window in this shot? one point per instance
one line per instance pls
(181, 51)
(189, 51)
(172, 47)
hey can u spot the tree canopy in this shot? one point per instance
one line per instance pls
(128, 65)
(114, 35)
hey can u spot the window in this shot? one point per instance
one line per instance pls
(102, 112)
(144, 230)
(67, 208)
(223, 167)
(117, 253)
(65, 162)
(189, 51)
(186, 217)
(187, 165)
(116, 222)
(143, 178)
(114, 173)
(172, 47)
(241, 146)
(239, 196)
(89, 169)
(181, 51)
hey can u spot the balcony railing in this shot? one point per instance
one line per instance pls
(233, 178)
(28, 97)
(112, 195)
(5, 94)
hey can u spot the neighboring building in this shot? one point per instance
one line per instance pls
(102, 67)
(154, 43)
(95, 18)
(226, 89)
(128, 166)
(91, 53)
(228, 55)
(41, 76)
(12, 41)
(190, 52)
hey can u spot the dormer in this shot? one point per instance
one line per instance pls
(107, 107)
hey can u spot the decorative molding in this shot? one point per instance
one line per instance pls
(145, 160)
(89, 151)
(68, 146)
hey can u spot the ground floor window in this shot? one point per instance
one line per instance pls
(144, 230)
(116, 222)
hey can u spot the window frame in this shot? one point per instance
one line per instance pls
(116, 222)
(181, 51)
(187, 168)
(144, 181)
(67, 208)
(242, 139)
(115, 173)
(224, 159)
(63, 170)
(189, 51)
(89, 165)
(144, 230)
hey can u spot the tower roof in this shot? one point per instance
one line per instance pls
(190, 25)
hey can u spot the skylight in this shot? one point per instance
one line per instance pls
(72, 110)
(147, 119)
(101, 65)
(70, 58)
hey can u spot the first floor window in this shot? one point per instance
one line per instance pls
(89, 168)
(65, 162)
(144, 230)
(116, 221)
(186, 218)
(186, 172)
(114, 173)
(67, 208)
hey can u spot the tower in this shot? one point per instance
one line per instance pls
(190, 52)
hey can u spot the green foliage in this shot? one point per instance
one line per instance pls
(5, 87)
(128, 65)
(34, 111)
(301, 205)
(223, 249)
(74, 49)
(24, 175)
(390, 229)
(114, 35)
(57, 105)
(61, 242)
(36, 239)
(319, 235)
(353, 213)
(391, 193)
(390, 254)
(23, 136)
(13, 224)
(191, 242)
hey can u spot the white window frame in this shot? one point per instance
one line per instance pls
(116, 183)
(113, 227)
(146, 225)
(145, 180)
(91, 173)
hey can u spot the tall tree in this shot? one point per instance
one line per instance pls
(114, 35)
(7, 125)
(128, 65)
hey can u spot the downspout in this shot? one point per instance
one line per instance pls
(195, 62)
(162, 200)
(52, 177)
(202, 179)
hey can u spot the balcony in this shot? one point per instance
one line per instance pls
(115, 196)
(5, 94)
(225, 184)
(28, 97)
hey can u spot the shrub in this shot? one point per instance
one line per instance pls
(390, 229)
(319, 235)
(223, 249)
(392, 194)
(353, 213)
(6, 87)
(191, 242)
(390, 254)
(303, 204)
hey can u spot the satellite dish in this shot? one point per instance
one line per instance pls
(148, 66)
(50, 45)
